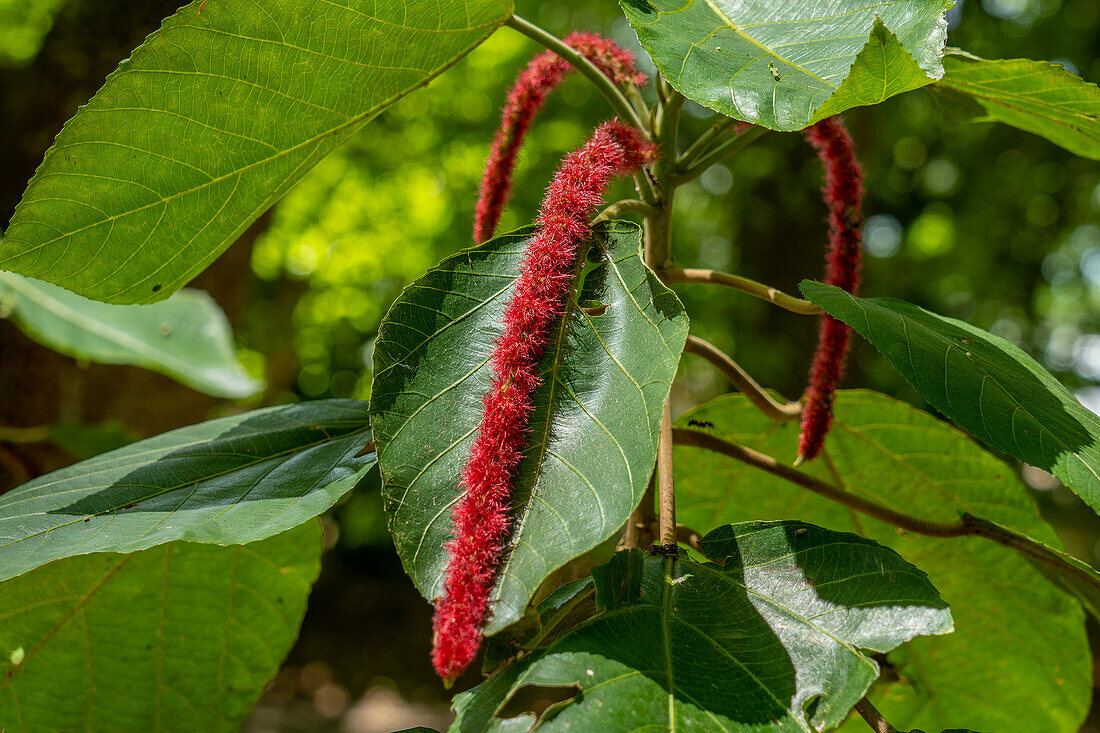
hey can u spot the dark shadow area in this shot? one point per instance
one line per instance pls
(262, 449)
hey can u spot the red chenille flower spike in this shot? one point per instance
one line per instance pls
(525, 99)
(843, 192)
(481, 517)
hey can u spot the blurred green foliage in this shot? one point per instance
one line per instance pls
(976, 221)
(23, 25)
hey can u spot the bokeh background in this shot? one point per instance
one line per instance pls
(976, 221)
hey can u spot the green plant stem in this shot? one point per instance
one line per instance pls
(743, 284)
(873, 717)
(764, 402)
(729, 147)
(968, 525)
(612, 93)
(702, 142)
(626, 206)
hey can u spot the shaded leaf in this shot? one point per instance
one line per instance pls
(209, 122)
(1019, 660)
(789, 63)
(983, 382)
(182, 637)
(187, 337)
(765, 638)
(1036, 96)
(593, 432)
(82, 440)
(226, 481)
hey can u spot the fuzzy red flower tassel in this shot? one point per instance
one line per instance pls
(525, 99)
(843, 192)
(481, 518)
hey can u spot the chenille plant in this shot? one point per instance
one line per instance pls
(758, 563)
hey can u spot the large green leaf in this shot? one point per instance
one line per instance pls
(1036, 96)
(784, 64)
(983, 382)
(1018, 661)
(181, 638)
(227, 481)
(213, 119)
(186, 337)
(767, 637)
(593, 431)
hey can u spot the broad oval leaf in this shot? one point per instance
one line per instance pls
(186, 337)
(767, 637)
(213, 119)
(785, 64)
(182, 637)
(593, 432)
(983, 382)
(226, 481)
(1019, 659)
(1036, 96)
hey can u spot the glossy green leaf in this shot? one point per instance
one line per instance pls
(1019, 659)
(785, 64)
(1036, 96)
(767, 637)
(593, 431)
(180, 638)
(209, 122)
(983, 382)
(227, 481)
(186, 337)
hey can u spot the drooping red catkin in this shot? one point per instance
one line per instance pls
(843, 192)
(525, 99)
(481, 518)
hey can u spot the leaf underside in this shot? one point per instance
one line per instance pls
(186, 337)
(1036, 96)
(593, 433)
(786, 64)
(209, 122)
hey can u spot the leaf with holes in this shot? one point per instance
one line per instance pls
(983, 382)
(1019, 658)
(187, 337)
(785, 64)
(226, 481)
(180, 638)
(1036, 96)
(593, 432)
(209, 122)
(766, 637)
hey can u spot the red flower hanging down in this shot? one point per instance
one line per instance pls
(481, 518)
(525, 99)
(843, 192)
